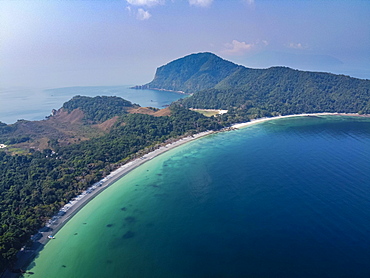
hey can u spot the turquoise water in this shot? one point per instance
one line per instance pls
(284, 198)
(34, 104)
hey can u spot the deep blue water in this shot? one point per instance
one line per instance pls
(285, 198)
(36, 104)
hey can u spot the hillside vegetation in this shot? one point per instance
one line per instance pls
(100, 108)
(250, 93)
(192, 73)
(79, 119)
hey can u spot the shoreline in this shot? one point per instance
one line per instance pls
(129, 166)
(112, 178)
(143, 87)
(261, 120)
(25, 257)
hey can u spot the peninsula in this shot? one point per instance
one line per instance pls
(88, 139)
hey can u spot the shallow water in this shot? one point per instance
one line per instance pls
(284, 198)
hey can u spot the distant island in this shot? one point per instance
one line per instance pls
(45, 164)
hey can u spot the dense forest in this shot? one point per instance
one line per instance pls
(251, 93)
(35, 185)
(285, 91)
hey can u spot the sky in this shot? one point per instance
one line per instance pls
(61, 43)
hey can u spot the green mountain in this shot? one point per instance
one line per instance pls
(281, 90)
(219, 84)
(192, 73)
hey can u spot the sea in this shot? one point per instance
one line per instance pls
(34, 104)
(283, 198)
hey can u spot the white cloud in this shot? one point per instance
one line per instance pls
(148, 3)
(297, 45)
(237, 47)
(142, 14)
(249, 2)
(240, 48)
(200, 3)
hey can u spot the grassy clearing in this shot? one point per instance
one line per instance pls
(207, 113)
(18, 151)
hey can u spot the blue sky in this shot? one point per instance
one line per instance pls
(86, 43)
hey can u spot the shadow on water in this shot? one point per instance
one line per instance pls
(25, 260)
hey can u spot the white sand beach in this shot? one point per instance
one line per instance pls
(261, 120)
(58, 221)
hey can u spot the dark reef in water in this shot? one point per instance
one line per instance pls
(130, 219)
(128, 234)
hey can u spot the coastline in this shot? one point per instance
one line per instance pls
(112, 178)
(144, 87)
(26, 256)
(261, 120)
(128, 167)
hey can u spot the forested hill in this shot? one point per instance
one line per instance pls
(192, 73)
(100, 108)
(79, 119)
(280, 90)
(219, 84)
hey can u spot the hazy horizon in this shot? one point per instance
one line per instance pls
(47, 44)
